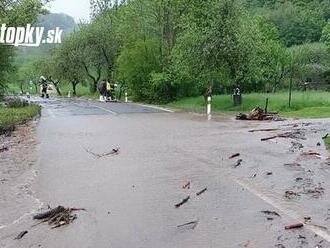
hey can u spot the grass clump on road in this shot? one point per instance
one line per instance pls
(10, 117)
(310, 104)
(327, 142)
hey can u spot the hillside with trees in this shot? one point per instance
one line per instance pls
(163, 50)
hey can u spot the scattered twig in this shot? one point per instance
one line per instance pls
(186, 186)
(294, 226)
(263, 130)
(292, 135)
(269, 138)
(238, 163)
(193, 224)
(49, 214)
(185, 200)
(114, 151)
(3, 149)
(58, 217)
(201, 192)
(21, 235)
(325, 136)
(235, 155)
(270, 213)
(311, 153)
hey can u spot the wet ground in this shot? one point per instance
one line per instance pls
(130, 197)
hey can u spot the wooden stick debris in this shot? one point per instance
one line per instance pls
(201, 192)
(186, 186)
(185, 200)
(21, 235)
(4, 149)
(58, 216)
(270, 213)
(294, 226)
(193, 223)
(114, 151)
(238, 163)
(263, 130)
(235, 155)
(311, 153)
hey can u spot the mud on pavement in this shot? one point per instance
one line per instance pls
(17, 175)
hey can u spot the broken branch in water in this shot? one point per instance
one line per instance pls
(238, 163)
(325, 136)
(4, 149)
(21, 235)
(185, 200)
(235, 155)
(294, 226)
(201, 192)
(58, 216)
(193, 224)
(114, 151)
(263, 130)
(270, 212)
(186, 186)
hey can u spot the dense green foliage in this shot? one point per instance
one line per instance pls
(163, 50)
(15, 13)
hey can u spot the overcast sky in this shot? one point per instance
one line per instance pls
(78, 9)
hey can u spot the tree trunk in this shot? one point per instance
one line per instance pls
(74, 87)
(208, 91)
(57, 87)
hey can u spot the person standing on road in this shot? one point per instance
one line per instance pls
(44, 87)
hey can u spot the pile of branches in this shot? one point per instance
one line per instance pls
(57, 217)
(258, 114)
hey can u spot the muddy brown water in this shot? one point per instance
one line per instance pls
(130, 197)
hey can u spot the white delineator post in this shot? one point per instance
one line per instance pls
(209, 108)
(126, 97)
(69, 94)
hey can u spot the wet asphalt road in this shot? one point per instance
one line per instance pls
(130, 197)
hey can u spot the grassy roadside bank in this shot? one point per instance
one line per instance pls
(10, 117)
(310, 104)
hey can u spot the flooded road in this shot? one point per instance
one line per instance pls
(130, 197)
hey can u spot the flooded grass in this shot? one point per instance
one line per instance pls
(310, 104)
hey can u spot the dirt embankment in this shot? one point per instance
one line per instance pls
(18, 159)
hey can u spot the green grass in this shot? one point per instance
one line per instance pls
(327, 142)
(10, 117)
(311, 104)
